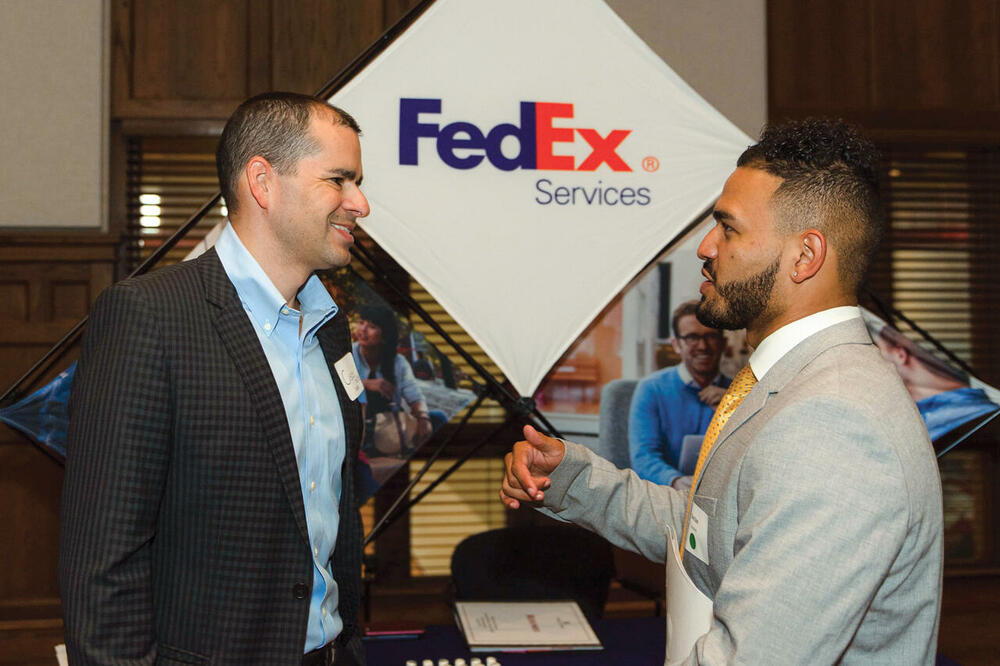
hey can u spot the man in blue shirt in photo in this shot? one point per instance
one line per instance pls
(943, 394)
(677, 401)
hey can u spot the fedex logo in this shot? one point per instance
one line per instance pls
(463, 145)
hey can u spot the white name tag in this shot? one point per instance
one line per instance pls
(349, 377)
(696, 542)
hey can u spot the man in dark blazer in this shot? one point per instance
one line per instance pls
(209, 511)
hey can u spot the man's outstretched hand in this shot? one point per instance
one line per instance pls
(527, 467)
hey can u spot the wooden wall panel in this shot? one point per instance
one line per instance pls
(189, 49)
(47, 283)
(312, 40)
(183, 59)
(198, 59)
(819, 54)
(13, 298)
(913, 69)
(931, 54)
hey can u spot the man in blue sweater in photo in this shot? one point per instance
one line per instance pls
(677, 401)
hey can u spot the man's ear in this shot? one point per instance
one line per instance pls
(675, 345)
(899, 355)
(260, 179)
(810, 251)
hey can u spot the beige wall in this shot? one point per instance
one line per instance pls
(717, 46)
(53, 132)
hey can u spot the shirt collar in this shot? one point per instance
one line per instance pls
(773, 347)
(261, 299)
(685, 376)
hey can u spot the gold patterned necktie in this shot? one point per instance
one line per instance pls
(742, 383)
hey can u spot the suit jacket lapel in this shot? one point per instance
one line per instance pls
(787, 367)
(240, 340)
(335, 341)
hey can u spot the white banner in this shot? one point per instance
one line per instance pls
(524, 160)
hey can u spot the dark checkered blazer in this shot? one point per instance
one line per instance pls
(183, 528)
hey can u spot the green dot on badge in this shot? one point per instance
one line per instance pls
(691, 542)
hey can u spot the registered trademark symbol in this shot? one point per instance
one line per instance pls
(650, 163)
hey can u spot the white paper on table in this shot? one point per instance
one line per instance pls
(523, 625)
(689, 611)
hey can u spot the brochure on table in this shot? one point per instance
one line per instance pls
(498, 626)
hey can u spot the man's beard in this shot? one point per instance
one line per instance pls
(738, 303)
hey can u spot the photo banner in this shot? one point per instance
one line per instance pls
(524, 160)
(946, 396)
(410, 387)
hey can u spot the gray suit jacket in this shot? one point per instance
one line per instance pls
(184, 535)
(824, 514)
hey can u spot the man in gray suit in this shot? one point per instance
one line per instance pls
(819, 499)
(209, 511)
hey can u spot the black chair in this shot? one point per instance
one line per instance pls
(535, 562)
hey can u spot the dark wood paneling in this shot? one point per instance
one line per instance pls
(913, 69)
(198, 59)
(315, 39)
(179, 58)
(31, 487)
(393, 10)
(819, 54)
(13, 298)
(47, 283)
(931, 54)
(189, 49)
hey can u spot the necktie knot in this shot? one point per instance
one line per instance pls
(742, 383)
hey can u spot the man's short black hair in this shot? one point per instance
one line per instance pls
(831, 182)
(274, 125)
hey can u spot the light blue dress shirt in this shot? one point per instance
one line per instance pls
(311, 406)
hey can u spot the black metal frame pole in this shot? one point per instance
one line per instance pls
(390, 515)
(374, 49)
(971, 432)
(399, 508)
(458, 463)
(898, 314)
(498, 390)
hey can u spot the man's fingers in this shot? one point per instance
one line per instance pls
(508, 501)
(520, 473)
(518, 482)
(541, 442)
(525, 465)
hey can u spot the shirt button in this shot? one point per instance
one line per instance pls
(324, 611)
(267, 326)
(316, 552)
(312, 486)
(312, 421)
(284, 310)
